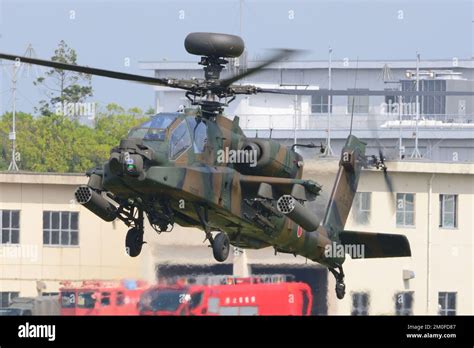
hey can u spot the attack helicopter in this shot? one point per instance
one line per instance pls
(172, 170)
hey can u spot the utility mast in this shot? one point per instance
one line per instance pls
(416, 151)
(329, 151)
(13, 167)
(30, 52)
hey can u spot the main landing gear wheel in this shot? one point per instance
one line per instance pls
(134, 241)
(340, 286)
(221, 246)
(340, 290)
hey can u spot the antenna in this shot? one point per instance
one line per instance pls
(17, 65)
(353, 97)
(416, 151)
(13, 167)
(329, 151)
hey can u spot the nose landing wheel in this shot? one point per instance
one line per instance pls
(340, 286)
(134, 238)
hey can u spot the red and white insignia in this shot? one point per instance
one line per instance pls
(299, 232)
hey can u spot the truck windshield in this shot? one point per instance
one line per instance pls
(154, 129)
(11, 311)
(162, 300)
(68, 299)
(86, 299)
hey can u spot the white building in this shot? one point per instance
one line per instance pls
(446, 122)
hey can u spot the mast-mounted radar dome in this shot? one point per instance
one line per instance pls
(214, 45)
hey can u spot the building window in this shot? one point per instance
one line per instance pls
(320, 104)
(360, 303)
(428, 104)
(10, 223)
(391, 101)
(360, 102)
(6, 297)
(447, 303)
(404, 303)
(448, 211)
(362, 207)
(433, 104)
(60, 228)
(405, 209)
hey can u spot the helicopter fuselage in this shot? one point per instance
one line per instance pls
(205, 175)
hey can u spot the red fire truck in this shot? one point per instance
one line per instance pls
(264, 295)
(101, 297)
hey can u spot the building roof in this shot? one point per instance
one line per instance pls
(405, 166)
(323, 64)
(43, 178)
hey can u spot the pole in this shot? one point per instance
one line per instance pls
(13, 167)
(329, 151)
(416, 151)
(401, 150)
(296, 113)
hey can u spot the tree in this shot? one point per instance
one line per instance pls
(63, 87)
(60, 144)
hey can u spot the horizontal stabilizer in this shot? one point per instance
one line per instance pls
(375, 245)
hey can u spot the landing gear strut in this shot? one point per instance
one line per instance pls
(340, 286)
(220, 243)
(134, 239)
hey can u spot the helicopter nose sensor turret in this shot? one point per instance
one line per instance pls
(130, 157)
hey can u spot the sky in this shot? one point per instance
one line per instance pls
(117, 35)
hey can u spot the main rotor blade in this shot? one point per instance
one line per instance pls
(343, 92)
(280, 55)
(87, 70)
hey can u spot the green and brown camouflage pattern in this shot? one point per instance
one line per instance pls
(229, 191)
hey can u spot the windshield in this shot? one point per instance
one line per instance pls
(162, 300)
(68, 299)
(154, 129)
(86, 299)
(10, 311)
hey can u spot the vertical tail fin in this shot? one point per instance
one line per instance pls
(345, 186)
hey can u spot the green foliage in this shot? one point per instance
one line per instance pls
(63, 86)
(61, 144)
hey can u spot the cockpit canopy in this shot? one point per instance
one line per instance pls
(155, 128)
(188, 132)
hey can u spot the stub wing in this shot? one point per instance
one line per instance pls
(375, 245)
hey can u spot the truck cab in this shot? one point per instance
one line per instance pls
(233, 296)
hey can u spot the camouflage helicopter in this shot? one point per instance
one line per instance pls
(175, 169)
